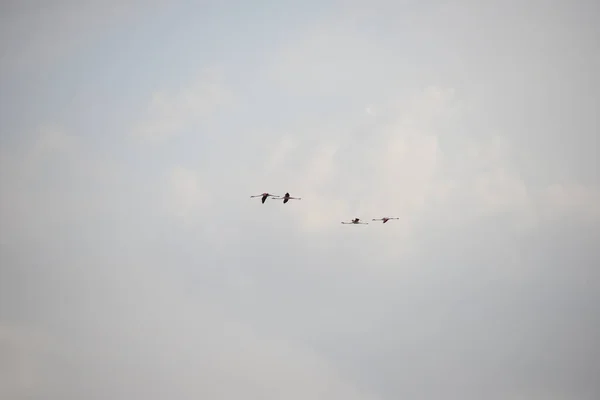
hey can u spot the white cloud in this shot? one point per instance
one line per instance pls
(50, 141)
(135, 319)
(568, 200)
(321, 206)
(186, 195)
(53, 182)
(497, 191)
(392, 175)
(20, 362)
(330, 58)
(403, 170)
(170, 113)
(24, 200)
(150, 275)
(34, 35)
(286, 145)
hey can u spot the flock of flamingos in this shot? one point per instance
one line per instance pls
(287, 197)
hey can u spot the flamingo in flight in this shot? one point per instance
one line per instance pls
(385, 219)
(264, 196)
(355, 221)
(286, 198)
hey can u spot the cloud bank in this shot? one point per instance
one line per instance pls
(134, 264)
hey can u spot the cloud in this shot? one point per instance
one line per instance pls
(19, 363)
(569, 200)
(394, 172)
(36, 35)
(147, 271)
(22, 170)
(403, 168)
(129, 326)
(330, 58)
(50, 142)
(185, 196)
(167, 335)
(170, 113)
(53, 182)
(138, 332)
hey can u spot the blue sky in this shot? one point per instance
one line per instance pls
(134, 264)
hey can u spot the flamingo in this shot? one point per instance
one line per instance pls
(286, 198)
(385, 219)
(355, 221)
(264, 196)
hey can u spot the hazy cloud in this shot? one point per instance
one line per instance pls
(170, 113)
(129, 270)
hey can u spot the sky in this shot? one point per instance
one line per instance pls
(134, 264)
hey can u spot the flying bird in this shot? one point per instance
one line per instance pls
(286, 198)
(264, 196)
(385, 219)
(355, 221)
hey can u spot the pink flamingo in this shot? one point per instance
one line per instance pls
(286, 198)
(264, 196)
(385, 219)
(355, 221)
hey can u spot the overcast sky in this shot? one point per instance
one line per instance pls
(135, 265)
